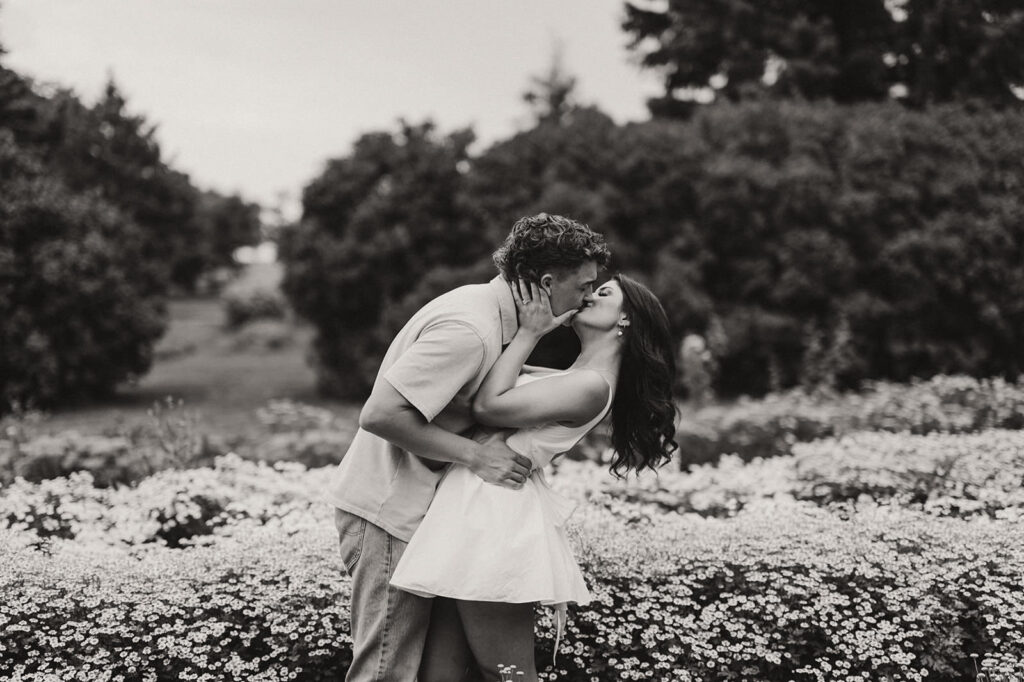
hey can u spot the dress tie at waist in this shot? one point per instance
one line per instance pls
(557, 507)
(561, 614)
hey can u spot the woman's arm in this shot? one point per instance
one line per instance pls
(576, 397)
(573, 399)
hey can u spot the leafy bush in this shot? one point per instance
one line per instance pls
(834, 243)
(77, 297)
(54, 456)
(374, 224)
(824, 244)
(169, 437)
(241, 306)
(263, 335)
(770, 426)
(721, 489)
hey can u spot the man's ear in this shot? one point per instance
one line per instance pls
(545, 282)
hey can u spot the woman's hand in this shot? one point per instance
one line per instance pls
(534, 306)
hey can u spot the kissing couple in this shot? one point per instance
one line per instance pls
(447, 524)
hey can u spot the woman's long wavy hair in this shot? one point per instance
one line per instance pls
(643, 411)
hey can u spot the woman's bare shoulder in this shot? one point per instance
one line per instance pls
(587, 389)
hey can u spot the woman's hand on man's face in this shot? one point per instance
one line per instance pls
(534, 306)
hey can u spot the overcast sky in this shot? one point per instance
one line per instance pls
(254, 95)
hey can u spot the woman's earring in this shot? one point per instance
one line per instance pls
(623, 323)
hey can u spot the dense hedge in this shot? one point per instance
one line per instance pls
(815, 244)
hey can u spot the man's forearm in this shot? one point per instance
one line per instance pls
(406, 428)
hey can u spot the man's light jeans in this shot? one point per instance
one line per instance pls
(389, 626)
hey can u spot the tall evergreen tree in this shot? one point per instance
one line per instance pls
(109, 150)
(551, 95)
(925, 50)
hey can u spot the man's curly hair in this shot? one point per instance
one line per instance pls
(548, 243)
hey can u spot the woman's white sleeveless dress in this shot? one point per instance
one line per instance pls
(483, 542)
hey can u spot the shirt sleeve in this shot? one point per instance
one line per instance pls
(439, 363)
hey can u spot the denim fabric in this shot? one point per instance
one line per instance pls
(389, 626)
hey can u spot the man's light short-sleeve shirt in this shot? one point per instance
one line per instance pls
(437, 362)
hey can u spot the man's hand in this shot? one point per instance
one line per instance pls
(499, 464)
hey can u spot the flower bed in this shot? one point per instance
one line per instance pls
(941, 474)
(252, 587)
(792, 592)
(123, 454)
(949, 475)
(770, 426)
(172, 507)
(263, 604)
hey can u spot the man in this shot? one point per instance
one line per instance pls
(415, 423)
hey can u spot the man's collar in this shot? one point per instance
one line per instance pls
(507, 307)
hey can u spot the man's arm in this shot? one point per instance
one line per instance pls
(389, 415)
(419, 385)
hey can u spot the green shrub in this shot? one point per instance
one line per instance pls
(76, 297)
(784, 592)
(168, 438)
(309, 435)
(263, 335)
(834, 243)
(824, 244)
(374, 223)
(241, 306)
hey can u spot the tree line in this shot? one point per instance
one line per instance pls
(827, 193)
(847, 206)
(96, 230)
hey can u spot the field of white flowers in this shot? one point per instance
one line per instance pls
(871, 554)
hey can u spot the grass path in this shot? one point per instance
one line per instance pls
(224, 375)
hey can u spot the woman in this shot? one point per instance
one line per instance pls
(489, 553)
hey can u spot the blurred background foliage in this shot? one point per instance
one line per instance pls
(810, 243)
(823, 195)
(96, 231)
(919, 51)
